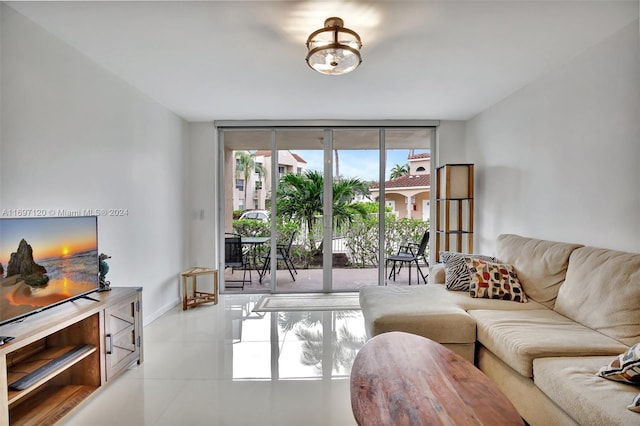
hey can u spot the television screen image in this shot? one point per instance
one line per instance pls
(45, 261)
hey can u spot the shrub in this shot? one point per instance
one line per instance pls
(252, 227)
(362, 238)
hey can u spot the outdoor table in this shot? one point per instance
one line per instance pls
(253, 243)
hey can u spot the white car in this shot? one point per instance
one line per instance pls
(262, 215)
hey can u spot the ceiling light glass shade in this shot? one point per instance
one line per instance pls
(334, 50)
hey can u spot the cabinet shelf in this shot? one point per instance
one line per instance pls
(50, 405)
(86, 325)
(32, 363)
(454, 208)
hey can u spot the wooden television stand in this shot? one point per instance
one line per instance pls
(106, 326)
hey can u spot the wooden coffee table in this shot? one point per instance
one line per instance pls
(404, 379)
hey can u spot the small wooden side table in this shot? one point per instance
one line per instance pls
(196, 297)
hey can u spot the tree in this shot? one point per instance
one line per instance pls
(399, 170)
(245, 165)
(344, 206)
(300, 198)
(309, 329)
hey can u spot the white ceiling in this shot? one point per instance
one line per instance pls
(218, 60)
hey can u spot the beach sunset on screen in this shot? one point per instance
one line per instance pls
(69, 247)
(49, 237)
(62, 262)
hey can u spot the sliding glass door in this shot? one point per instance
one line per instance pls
(320, 207)
(356, 219)
(298, 263)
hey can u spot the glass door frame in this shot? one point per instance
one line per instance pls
(327, 127)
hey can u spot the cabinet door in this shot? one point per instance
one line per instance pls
(122, 336)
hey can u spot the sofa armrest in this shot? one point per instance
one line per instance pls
(437, 274)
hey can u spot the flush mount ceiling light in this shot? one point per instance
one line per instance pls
(334, 49)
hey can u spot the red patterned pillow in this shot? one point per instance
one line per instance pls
(625, 368)
(491, 280)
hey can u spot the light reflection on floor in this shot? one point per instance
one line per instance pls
(226, 365)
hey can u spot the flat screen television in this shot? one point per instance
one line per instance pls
(45, 262)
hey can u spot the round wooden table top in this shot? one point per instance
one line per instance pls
(404, 379)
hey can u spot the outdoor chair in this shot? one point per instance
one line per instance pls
(283, 253)
(236, 257)
(410, 254)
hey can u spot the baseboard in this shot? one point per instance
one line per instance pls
(148, 319)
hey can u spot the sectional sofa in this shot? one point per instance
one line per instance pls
(576, 310)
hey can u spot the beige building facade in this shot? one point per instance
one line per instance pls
(408, 196)
(256, 191)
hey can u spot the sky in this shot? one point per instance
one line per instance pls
(48, 237)
(357, 163)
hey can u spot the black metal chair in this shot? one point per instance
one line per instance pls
(236, 257)
(411, 253)
(283, 253)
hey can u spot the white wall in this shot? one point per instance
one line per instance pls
(203, 178)
(560, 159)
(76, 137)
(450, 143)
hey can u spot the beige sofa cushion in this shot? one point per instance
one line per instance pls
(447, 325)
(533, 404)
(437, 274)
(602, 291)
(410, 310)
(519, 337)
(427, 310)
(572, 383)
(541, 265)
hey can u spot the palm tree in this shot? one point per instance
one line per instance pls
(245, 165)
(344, 208)
(399, 170)
(300, 198)
(310, 332)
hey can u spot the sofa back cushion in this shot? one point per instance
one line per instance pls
(602, 292)
(541, 265)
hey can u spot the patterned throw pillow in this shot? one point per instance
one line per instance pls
(491, 280)
(457, 273)
(625, 368)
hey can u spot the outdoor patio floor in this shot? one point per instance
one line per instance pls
(310, 280)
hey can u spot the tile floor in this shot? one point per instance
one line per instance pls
(225, 365)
